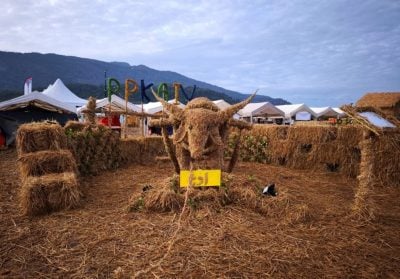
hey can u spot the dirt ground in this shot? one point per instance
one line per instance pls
(316, 238)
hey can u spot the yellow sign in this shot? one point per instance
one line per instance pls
(199, 178)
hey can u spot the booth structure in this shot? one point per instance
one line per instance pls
(257, 112)
(117, 104)
(325, 112)
(297, 112)
(34, 106)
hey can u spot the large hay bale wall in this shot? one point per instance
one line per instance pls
(319, 148)
(95, 147)
(48, 170)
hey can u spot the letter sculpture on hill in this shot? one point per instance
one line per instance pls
(200, 133)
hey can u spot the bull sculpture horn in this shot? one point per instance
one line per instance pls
(171, 109)
(230, 111)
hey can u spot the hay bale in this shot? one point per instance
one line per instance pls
(319, 148)
(38, 136)
(364, 206)
(46, 162)
(95, 148)
(74, 126)
(47, 193)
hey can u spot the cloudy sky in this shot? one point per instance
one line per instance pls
(319, 52)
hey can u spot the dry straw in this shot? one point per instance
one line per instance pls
(38, 136)
(46, 162)
(51, 192)
(319, 148)
(95, 147)
(90, 113)
(166, 196)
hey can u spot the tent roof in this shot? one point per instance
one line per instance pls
(291, 110)
(380, 100)
(328, 111)
(117, 103)
(221, 104)
(260, 109)
(154, 107)
(339, 111)
(60, 92)
(39, 100)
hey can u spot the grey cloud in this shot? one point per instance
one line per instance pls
(290, 46)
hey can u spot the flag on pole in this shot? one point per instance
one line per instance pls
(28, 86)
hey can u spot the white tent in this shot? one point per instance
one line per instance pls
(264, 109)
(340, 112)
(117, 103)
(324, 111)
(221, 104)
(297, 111)
(155, 107)
(39, 100)
(60, 92)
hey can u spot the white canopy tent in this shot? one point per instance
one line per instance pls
(264, 109)
(221, 104)
(60, 92)
(39, 100)
(324, 111)
(297, 111)
(34, 106)
(155, 107)
(117, 104)
(340, 112)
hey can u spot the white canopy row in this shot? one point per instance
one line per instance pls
(58, 97)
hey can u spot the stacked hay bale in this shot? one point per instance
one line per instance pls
(321, 148)
(48, 169)
(95, 147)
(363, 203)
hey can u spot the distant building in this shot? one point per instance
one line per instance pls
(388, 102)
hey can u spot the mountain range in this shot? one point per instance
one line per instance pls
(86, 75)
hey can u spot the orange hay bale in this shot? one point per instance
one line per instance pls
(46, 162)
(47, 193)
(39, 136)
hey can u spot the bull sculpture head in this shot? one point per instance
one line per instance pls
(201, 130)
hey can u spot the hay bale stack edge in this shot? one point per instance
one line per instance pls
(47, 169)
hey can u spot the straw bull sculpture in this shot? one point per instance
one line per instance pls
(201, 133)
